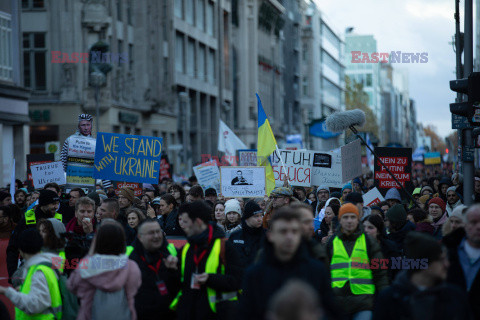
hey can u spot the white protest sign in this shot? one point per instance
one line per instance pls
(242, 182)
(298, 167)
(351, 160)
(327, 169)
(247, 158)
(208, 175)
(81, 147)
(372, 197)
(48, 172)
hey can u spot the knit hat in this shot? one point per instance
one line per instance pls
(397, 213)
(95, 197)
(46, 197)
(458, 212)
(424, 199)
(422, 246)
(58, 227)
(348, 208)
(335, 194)
(347, 186)
(233, 205)
(426, 188)
(251, 209)
(280, 192)
(127, 193)
(4, 195)
(453, 188)
(393, 194)
(30, 241)
(354, 197)
(323, 188)
(416, 191)
(446, 181)
(438, 201)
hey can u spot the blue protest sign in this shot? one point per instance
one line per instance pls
(127, 158)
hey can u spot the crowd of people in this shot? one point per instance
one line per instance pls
(300, 253)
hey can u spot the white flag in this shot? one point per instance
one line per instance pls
(228, 142)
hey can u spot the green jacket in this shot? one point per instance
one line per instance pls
(355, 303)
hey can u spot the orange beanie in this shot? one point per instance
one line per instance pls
(348, 208)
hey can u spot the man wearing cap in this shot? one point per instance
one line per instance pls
(398, 225)
(357, 199)
(211, 195)
(249, 238)
(47, 207)
(279, 197)
(438, 213)
(84, 129)
(453, 200)
(393, 197)
(420, 291)
(351, 253)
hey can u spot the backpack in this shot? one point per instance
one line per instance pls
(70, 304)
(110, 305)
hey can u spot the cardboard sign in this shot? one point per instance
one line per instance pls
(135, 186)
(399, 162)
(327, 169)
(81, 147)
(127, 158)
(242, 182)
(34, 159)
(372, 198)
(208, 175)
(298, 167)
(47, 173)
(247, 158)
(351, 160)
(164, 168)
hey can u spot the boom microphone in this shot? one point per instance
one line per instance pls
(340, 121)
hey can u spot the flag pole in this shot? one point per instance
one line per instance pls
(283, 165)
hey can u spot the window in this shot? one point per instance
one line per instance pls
(210, 17)
(369, 80)
(179, 53)
(119, 10)
(130, 57)
(120, 49)
(129, 12)
(179, 8)
(191, 58)
(34, 61)
(201, 14)
(6, 63)
(201, 63)
(33, 4)
(305, 86)
(331, 93)
(190, 12)
(211, 66)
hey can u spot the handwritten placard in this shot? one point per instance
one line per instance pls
(242, 182)
(47, 173)
(208, 175)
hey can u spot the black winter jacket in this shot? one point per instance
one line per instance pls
(152, 300)
(247, 241)
(170, 224)
(404, 301)
(193, 304)
(399, 236)
(266, 277)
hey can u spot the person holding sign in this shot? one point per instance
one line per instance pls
(84, 129)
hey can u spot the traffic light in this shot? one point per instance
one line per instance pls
(97, 58)
(471, 108)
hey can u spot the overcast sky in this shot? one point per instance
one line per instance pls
(409, 26)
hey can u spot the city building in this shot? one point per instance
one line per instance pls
(14, 121)
(322, 83)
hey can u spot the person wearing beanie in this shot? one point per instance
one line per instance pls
(233, 214)
(349, 251)
(416, 196)
(357, 199)
(426, 190)
(346, 190)
(423, 201)
(421, 291)
(357, 185)
(249, 238)
(456, 220)
(438, 213)
(398, 225)
(200, 286)
(40, 292)
(47, 208)
(323, 194)
(393, 197)
(453, 200)
(210, 195)
(126, 198)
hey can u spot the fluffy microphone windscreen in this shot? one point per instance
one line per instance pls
(340, 121)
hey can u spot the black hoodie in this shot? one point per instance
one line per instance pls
(247, 241)
(193, 304)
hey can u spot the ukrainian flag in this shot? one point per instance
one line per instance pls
(266, 145)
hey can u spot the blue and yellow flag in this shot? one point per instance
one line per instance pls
(266, 145)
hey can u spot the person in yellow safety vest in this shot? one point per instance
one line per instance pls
(210, 268)
(47, 206)
(159, 286)
(354, 280)
(39, 295)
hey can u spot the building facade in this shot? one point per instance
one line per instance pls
(322, 82)
(14, 121)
